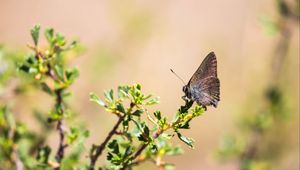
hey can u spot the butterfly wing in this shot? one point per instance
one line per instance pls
(206, 92)
(207, 68)
(204, 86)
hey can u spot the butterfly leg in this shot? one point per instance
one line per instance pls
(185, 98)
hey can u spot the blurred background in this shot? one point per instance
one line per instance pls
(132, 41)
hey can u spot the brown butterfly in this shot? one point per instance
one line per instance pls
(204, 85)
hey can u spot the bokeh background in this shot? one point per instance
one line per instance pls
(132, 41)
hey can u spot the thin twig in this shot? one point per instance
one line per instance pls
(157, 133)
(100, 148)
(18, 162)
(60, 124)
(61, 147)
(60, 128)
(143, 147)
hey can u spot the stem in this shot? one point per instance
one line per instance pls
(16, 158)
(60, 124)
(18, 162)
(280, 53)
(60, 128)
(143, 147)
(158, 132)
(138, 152)
(100, 148)
(61, 149)
(59, 104)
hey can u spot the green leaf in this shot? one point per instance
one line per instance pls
(109, 95)
(56, 114)
(138, 112)
(96, 99)
(35, 31)
(184, 125)
(31, 60)
(72, 135)
(86, 134)
(186, 140)
(144, 136)
(60, 39)
(128, 151)
(198, 111)
(138, 86)
(49, 34)
(72, 74)
(157, 114)
(123, 91)
(174, 151)
(147, 97)
(33, 70)
(152, 101)
(46, 88)
(163, 122)
(109, 156)
(59, 70)
(114, 146)
(146, 130)
(125, 122)
(24, 68)
(120, 108)
(43, 155)
(153, 147)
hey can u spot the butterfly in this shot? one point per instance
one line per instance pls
(204, 85)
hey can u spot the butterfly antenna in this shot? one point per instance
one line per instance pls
(178, 76)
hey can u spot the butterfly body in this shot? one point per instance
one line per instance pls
(204, 85)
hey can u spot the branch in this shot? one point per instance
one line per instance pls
(18, 162)
(144, 146)
(61, 149)
(15, 155)
(101, 147)
(279, 56)
(158, 132)
(60, 128)
(60, 124)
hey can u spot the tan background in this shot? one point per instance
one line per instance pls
(139, 41)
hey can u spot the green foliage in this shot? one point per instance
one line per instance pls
(50, 62)
(257, 144)
(8, 59)
(136, 137)
(143, 137)
(255, 132)
(43, 156)
(35, 32)
(48, 69)
(16, 142)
